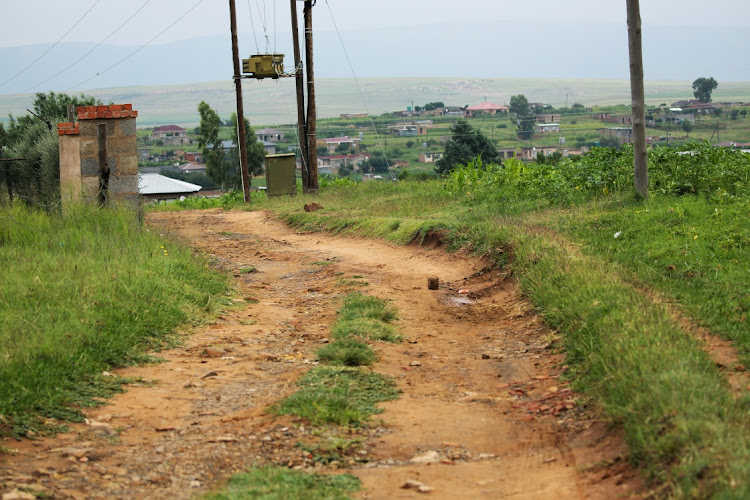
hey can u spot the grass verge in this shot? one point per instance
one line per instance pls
(347, 352)
(280, 483)
(83, 293)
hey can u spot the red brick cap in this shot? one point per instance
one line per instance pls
(67, 128)
(107, 111)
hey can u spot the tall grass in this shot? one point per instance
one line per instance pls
(83, 293)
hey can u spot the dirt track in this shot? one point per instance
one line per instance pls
(482, 413)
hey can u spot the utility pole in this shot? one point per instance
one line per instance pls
(312, 152)
(240, 110)
(301, 122)
(640, 157)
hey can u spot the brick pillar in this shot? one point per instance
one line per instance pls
(70, 162)
(122, 153)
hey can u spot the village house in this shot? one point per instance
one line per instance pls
(410, 129)
(623, 134)
(506, 153)
(334, 142)
(530, 154)
(194, 157)
(331, 164)
(429, 157)
(269, 135)
(190, 168)
(548, 118)
(620, 120)
(485, 108)
(546, 128)
(158, 188)
(170, 134)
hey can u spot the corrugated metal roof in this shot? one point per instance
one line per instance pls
(159, 184)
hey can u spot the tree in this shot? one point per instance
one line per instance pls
(208, 141)
(377, 163)
(702, 88)
(525, 127)
(734, 113)
(343, 148)
(743, 112)
(256, 153)
(687, 127)
(54, 107)
(465, 144)
(519, 105)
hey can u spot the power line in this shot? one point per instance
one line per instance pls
(94, 48)
(53, 45)
(351, 67)
(139, 48)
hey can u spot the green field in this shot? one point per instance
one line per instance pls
(273, 102)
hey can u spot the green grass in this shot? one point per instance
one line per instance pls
(347, 352)
(625, 352)
(279, 483)
(340, 396)
(83, 293)
(366, 317)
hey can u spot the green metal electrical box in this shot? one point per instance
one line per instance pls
(264, 65)
(281, 174)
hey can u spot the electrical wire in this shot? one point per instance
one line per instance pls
(94, 48)
(139, 48)
(53, 45)
(252, 24)
(359, 87)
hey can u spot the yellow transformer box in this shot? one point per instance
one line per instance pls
(264, 65)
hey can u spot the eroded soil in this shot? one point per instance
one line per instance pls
(482, 412)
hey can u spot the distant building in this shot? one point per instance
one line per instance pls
(620, 120)
(623, 134)
(410, 128)
(158, 188)
(530, 154)
(334, 142)
(505, 153)
(429, 157)
(170, 134)
(189, 168)
(351, 116)
(546, 128)
(331, 164)
(194, 157)
(269, 135)
(548, 118)
(486, 108)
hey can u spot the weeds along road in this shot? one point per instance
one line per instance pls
(482, 412)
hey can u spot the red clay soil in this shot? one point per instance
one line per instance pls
(482, 413)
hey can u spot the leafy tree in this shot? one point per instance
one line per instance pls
(734, 113)
(466, 144)
(525, 127)
(256, 153)
(53, 106)
(743, 112)
(610, 142)
(208, 141)
(687, 127)
(433, 105)
(343, 148)
(323, 151)
(345, 170)
(577, 106)
(702, 88)
(410, 144)
(519, 105)
(377, 163)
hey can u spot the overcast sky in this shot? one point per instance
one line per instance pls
(46, 21)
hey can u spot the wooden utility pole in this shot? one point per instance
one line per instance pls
(299, 80)
(240, 110)
(640, 158)
(312, 151)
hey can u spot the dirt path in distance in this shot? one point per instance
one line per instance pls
(482, 412)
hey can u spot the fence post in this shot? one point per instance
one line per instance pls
(103, 167)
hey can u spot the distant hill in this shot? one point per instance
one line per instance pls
(273, 102)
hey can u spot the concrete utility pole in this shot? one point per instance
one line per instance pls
(299, 80)
(640, 158)
(240, 110)
(312, 151)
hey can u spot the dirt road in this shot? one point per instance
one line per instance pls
(482, 412)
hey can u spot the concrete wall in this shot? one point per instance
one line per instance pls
(70, 162)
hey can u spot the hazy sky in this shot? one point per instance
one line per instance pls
(45, 21)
